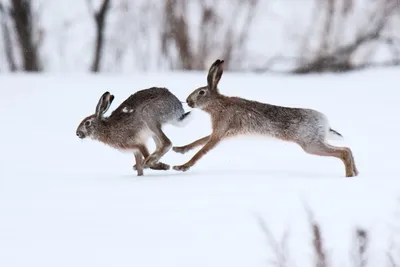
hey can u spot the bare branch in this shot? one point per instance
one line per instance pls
(208, 24)
(328, 27)
(177, 31)
(9, 50)
(305, 42)
(100, 21)
(238, 42)
(21, 12)
(333, 56)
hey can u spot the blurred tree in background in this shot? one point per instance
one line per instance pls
(287, 36)
(18, 22)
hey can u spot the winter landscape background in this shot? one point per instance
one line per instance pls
(250, 201)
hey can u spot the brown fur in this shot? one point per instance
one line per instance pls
(233, 116)
(129, 126)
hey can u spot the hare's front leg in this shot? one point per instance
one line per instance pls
(184, 149)
(212, 142)
(139, 162)
(144, 152)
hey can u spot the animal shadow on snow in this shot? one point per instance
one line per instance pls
(151, 175)
(271, 173)
(235, 173)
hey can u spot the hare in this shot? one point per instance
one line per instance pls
(233, 116)
(129, 126)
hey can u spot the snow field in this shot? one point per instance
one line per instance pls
(67, 202)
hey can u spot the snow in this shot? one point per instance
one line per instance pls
(68, 202)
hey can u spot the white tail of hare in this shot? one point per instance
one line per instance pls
(138, 118)
(232, 116)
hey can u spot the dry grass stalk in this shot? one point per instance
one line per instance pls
(280, 249)
(318, 242)
(361, 248)
(320, 259)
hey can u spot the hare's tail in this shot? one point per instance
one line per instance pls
(183, 120)
(335, 135)
(184, 116)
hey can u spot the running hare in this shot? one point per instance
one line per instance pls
(129, 126)
(232, 116)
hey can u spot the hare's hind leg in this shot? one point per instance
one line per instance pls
(163, 145)
(145, 152)
(158, 165)
(184, 149)
(354, 162)
(321, 148)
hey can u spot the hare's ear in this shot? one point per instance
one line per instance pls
(214, 74)
(104, 103)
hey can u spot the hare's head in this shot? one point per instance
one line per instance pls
(90, 124)
(202, 96)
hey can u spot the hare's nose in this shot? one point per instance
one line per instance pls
(80, 134)
(189, 102)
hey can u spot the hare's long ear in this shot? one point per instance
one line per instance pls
(104, 104)
(214, 74)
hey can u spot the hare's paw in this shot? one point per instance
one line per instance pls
(138, 170)
(135, 167)
(180, 149)
(182, 168)
(352, 173)
(355, 171)
(149, 161)
(160, 166)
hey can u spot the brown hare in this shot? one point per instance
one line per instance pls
(138, 118)
(232, 116)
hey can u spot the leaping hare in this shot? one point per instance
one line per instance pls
(232, 116)
(129, 126)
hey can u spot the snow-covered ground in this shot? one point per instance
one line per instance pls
(67, 202)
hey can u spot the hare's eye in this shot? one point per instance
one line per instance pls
(202, 92)
(87, 123)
